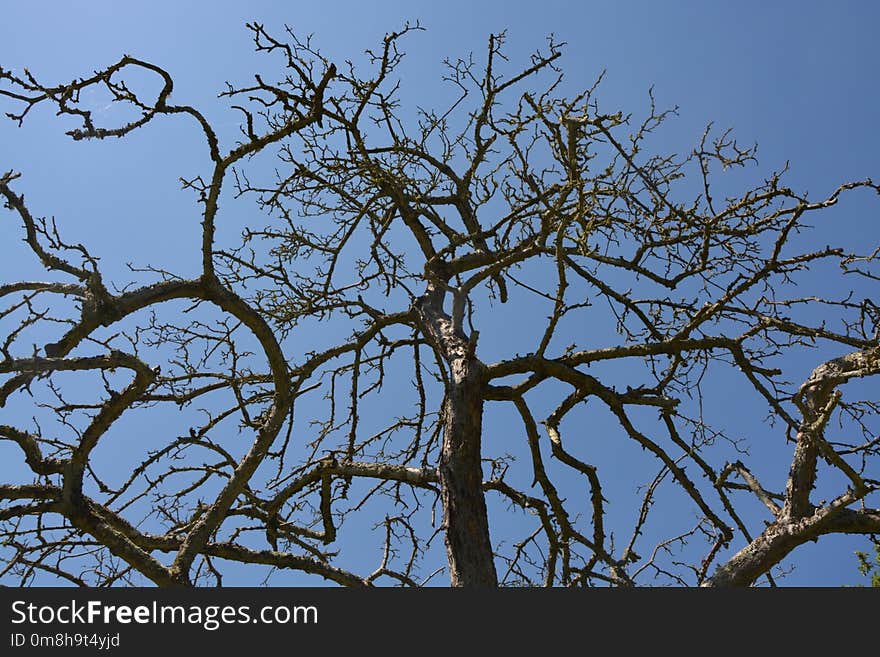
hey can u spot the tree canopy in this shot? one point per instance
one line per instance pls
(330, 377)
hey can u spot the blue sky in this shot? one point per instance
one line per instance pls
(798, 78)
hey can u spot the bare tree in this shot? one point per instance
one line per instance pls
(343, 337)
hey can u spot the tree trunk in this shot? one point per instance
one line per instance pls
(468, 546)
(465, 520)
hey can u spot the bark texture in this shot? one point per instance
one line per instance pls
(461, 475)
(466, 522)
